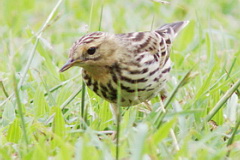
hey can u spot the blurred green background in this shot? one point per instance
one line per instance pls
(35, 37)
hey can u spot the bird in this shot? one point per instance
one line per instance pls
(128, 68)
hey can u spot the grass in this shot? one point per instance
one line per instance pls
(45, 114)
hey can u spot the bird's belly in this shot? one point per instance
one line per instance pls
(131, 92)
(142, 91)
(137, 97)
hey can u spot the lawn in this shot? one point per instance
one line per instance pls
(45, 114)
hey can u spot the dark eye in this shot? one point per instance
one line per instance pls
(91, 50)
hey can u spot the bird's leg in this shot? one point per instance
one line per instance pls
(149, 108)
(116, 118)
(115, 111)
(163, 94)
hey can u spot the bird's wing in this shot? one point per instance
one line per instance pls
(167, 33)
(146, 46)
(153, 43)
(138, 42)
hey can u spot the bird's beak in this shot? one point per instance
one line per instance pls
(67, 65)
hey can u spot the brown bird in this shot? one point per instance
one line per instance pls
(137, 63)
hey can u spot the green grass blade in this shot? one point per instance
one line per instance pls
(40, 104)
(184, 80)
(222, 101)
(83, 101)
(4, 90)
(20, 111)
(91, 14)
(57, 87)
(38, 35)
(59, 123)
(161, 115)
(31, 55)
(230, 141)
(71, 98)
(163, 131)
(118, 120)
(138, 141)
(101, 15)
(14, 132)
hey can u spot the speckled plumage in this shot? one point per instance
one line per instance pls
(137, 62)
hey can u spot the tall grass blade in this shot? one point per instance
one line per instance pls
(118, 119)
(31, 55)
(59, 123)
(38, 36)
(152, 24)
(91, 14)
(83, 101)
(57, 87)
(230, 141)
(19, 105)
(101, 15)
(222, 101)
(161, 115)
(71, 98)
(4, 90)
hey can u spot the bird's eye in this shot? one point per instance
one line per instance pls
(91, 50)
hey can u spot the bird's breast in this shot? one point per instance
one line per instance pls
(137, 83)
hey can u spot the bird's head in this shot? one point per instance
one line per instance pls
(93, 50)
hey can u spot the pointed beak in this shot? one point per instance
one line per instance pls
(67, 65)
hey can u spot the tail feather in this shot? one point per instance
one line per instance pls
(176, 27)
(168, 32)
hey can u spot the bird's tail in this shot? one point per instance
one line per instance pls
(172, 28)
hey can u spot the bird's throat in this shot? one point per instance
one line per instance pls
(98, 73)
